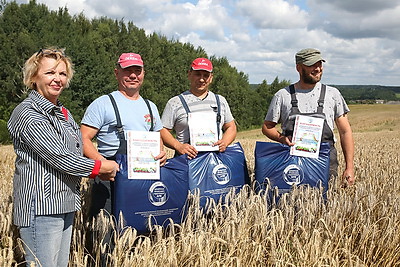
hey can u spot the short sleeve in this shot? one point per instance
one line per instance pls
(95, 114)
(167, 116)
(274, 110)
(341, 106)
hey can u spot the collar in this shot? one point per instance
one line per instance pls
(43, 102)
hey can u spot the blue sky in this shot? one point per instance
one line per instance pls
(360, 39)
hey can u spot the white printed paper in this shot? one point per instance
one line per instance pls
(307, 136)
(142, 148)
(203, 130)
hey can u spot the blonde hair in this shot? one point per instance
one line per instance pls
(31, 66)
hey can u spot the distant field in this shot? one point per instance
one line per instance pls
(363, 118)
(368, 118)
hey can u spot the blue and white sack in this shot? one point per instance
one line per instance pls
(160, 200)
(274, 162)
(214, 174)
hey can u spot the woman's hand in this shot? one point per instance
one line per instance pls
(108, 170)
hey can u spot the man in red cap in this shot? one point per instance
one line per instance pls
(197, 99)
(100, 121)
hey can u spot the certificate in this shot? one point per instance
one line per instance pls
(203, 130)
(307, 135)
(142, 148)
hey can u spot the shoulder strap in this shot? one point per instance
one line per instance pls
(293, 96)
(218, 113)
(186, 107)
(151, 114)
(294, 102)
(120, 129)
(321, 99)
(184, 104)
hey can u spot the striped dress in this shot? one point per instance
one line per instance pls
(49, 163)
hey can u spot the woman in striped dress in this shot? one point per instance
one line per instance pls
(49, 163)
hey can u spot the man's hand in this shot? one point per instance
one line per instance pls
(286, 140)
(187, 149)
(269, 130)
(162, 157)
(221, 144)
(348, 178)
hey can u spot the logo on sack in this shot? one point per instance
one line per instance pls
(221, 174)
(293, 174)
(158, 194)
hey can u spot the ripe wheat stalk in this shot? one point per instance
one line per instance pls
(356, 226)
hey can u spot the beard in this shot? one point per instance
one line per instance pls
(309, 79)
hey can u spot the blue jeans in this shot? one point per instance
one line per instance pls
(48, 238)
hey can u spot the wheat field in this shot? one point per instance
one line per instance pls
(356, 226)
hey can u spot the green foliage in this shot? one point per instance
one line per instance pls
(94, 46)
(264, 96)
(4, 135)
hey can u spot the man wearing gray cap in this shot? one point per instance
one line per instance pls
(310, 97)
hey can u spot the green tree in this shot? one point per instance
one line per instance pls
(94, 46)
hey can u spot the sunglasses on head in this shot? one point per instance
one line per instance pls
(46, 51)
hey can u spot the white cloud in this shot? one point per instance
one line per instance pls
(275, 14)
(359, 38)
(371, 18)
(203, 17)
(356, 6)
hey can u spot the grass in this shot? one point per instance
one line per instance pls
(357, 226)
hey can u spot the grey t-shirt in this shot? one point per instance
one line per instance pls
(334, 105)
(174, 115)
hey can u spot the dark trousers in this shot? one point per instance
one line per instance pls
(333, 166)
(101, 197)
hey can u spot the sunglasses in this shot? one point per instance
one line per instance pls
(46, 51)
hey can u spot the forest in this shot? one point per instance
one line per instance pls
(94, 46)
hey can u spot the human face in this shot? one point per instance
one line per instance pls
(310, 74)
(199, 81)
(129, 79)
(51, 78)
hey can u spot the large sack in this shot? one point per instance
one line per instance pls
(214, 174)
(161, 199)
(274, 162)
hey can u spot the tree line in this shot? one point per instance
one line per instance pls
(94, 46)
(357, 93)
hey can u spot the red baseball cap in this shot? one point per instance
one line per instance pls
(202, 64)
(130, 59)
